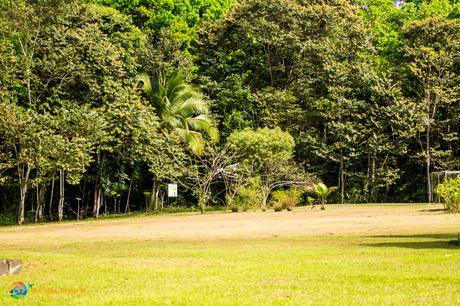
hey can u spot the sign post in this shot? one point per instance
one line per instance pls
(172, 190)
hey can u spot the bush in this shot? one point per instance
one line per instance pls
(278, 207)
(322, 192)
(449, 191)
(8, 219)
(286, 199)
(247, 197)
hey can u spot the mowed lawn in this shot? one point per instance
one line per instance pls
(346, 255)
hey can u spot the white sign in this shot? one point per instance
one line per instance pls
(172, 190)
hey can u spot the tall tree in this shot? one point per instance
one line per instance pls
(432, 47)
(268, 154)
(311, 72)
(180, 16)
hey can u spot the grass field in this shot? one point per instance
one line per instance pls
(346, 255)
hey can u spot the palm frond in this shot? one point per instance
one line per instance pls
(191, 107)
(174, 86)
(194, 140)
(196, 143)
(205, 124)
(146, 84)
(181, 107)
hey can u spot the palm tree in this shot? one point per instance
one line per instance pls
(181, 108)
(322, 191)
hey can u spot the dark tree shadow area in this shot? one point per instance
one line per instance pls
(434, 210)
(434, 241)
(434, 236)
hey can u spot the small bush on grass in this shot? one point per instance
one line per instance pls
(449, 191)
(322, 192)
(286, 199)
(247, 197)
(278, 207)
(234, 208)
(311, 201)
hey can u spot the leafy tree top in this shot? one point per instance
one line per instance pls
(182, 16)
(263, 145)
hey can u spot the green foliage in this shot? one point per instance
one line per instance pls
(449, 191)
(254, 55)
(247, 196)
(309, 72)
(84, 53)
(263, 145)
(363, 95)
(277, 207)
(387, 21)
(182, 16)
(432, 47)
(287, 199)
(335, 76)
(269, 154)
(322, 192)
(181, 108)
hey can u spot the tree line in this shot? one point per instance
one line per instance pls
(102, 103)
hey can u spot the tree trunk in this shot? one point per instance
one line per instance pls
(83, 200)
(24, 184)
(372, 178)
(153, 197)
(323, 205)
(342, 181)
(87, 200)
(41, 213)
(127, 208)
(201, 205)
(97, 201)
(50, 208)
(157, 197)
(38, 202)
(430, 115)
(265, 194)
(428, 165)
(78, 210)
(41, 189)
(61, 195)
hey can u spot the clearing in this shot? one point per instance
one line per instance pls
(346, 255)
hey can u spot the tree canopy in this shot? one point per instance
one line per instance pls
(105, 102)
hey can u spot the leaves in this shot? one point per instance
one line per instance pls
(182, 109)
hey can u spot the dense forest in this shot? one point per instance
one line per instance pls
(105, 102)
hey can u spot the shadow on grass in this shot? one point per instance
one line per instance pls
(418, 245)
(436, 241)
(434, 210)
(433, 236)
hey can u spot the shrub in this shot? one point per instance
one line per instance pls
(449, 191)
(6, 219)
(323, 192)
(310, 201)
(286, 199)
(246, 197)
(278, 207)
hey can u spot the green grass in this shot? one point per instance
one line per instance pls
(279, 271)
(364, 269)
